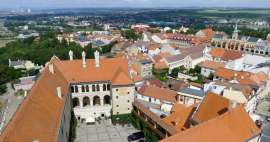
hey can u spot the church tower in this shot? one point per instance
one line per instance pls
(235, 33)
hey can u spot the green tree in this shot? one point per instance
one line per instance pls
(131, 35)
(175, 72)
(3, 89)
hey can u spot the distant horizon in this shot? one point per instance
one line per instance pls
(69, 8)
(72, 4)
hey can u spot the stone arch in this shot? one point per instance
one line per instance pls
(86, 101)
(96, 100)
(76, 102)
(107, 100)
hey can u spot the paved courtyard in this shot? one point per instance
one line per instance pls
(104, 132)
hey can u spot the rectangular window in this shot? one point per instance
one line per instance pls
(104, 87)
(93, 88)
(108, 87)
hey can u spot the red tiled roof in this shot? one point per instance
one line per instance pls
(159, 93)
(212, 65)
(39, 115)
(245, 78)
(225, 55)
(233, 126)
(179, 117)
(212, 105)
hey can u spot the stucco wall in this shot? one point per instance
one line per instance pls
(122, 99)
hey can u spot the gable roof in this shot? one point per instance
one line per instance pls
(39, 115)
(233, 126)
(211, 106)
(243, 77)
(108, 70)
(212, 65)
(159, 93)
(179, 117)
(225, 55)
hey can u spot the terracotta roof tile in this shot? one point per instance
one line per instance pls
(211, 106)
(159, 93)
(39, 115)
(233, 126)
(179, 117)
(212, 65)
(225, 55)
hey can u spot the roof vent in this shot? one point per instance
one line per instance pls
(59, 92)
(233, 104)
(84, 59)
(51, 68)
(97, 59)
(70, 53)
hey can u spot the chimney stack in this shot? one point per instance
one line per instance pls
(84, 60)
(70, 55)
(51, 68)
(59, 92)
(97, 59)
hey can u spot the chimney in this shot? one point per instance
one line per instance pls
(51, 68)
(97, 59)
(84, 60)
(59, 92)
(70, 55)
(233, 104)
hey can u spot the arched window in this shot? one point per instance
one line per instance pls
(107, 100)
(86, 101)
(87, 88)
(76, 89)
(93, 88)
(98, 89)
(76, 102)
(83, 89)
(96, 100)
(104, 87)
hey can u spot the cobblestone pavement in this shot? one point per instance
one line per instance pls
(104, 132)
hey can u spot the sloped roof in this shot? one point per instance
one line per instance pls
(212, 65)
(212, 105)
(245, 78)
(74, 72)
(225, 55)
(179, 117)
(159, 93)
(233, 126)
(39, 115)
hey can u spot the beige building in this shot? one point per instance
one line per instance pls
(246, 44)
(95, 88)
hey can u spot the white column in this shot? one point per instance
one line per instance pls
(91, 101)
(102, 102)
(81, 102)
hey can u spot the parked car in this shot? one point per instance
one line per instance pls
(135, 136)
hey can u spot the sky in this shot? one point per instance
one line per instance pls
(131, 3)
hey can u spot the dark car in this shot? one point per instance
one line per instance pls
(135, 136)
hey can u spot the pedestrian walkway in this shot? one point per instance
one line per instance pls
(104, 132)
